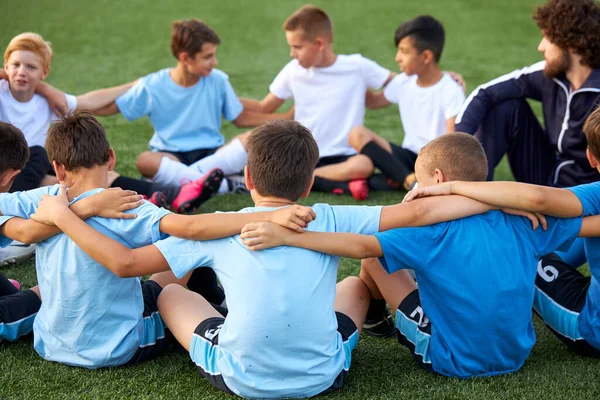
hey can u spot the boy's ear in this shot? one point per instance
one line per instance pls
(183, 57)
(59, 169)
(591, 158)
(248, 178)
(7, 177)
(45, 73)
(428, 57)
(307, 191)
(112, 160)
(440, 177)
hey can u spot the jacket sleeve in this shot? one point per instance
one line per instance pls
(519, 84)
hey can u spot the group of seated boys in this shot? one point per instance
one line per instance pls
(273, 323)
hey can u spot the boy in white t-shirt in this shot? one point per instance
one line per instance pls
(428, 99)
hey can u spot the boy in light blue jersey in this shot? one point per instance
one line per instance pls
(290, 330)
(567, 301)
(90, 317)
(471, 313)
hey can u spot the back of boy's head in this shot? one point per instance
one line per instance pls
(33, 42)
(14, 151)
(591, 129)
(78, 141)
(188, 36)
(282, 156)
(312, 21)
(426, 32)
(458, 155)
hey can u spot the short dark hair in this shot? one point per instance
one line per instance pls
(572, 25)
(282, 156)
(459, 155)
(78, 141)
(591, 129)
(13, 148)
(312, 21)
(188, 36)
(427, 34)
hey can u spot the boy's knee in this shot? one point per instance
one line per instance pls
(359, 136)
(148, 163)
(366, 267)
(167, 293)
(355, 285)
(362, 167)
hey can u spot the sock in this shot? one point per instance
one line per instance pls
(381, 182)
(204, 282)
(6, 288)
(138, 185)
(329, 186)
(387, 163)
(171, 192)
(376, 309)
(171, 173)
(231, 159)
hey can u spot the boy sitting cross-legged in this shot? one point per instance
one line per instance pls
(567, 301)
(290, 330)
(89, 316)
(427, 98)
(471, 313)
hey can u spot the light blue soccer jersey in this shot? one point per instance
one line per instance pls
(476, 281)
(280, 336)
(89, 317)
(184, 119)
(589, 317)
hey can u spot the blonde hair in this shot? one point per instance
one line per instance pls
(33, 42)
(312, 21)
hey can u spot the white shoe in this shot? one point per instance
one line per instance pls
(16, 252)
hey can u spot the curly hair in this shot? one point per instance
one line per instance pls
(572, 25)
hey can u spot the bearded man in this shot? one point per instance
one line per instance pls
(567, 83)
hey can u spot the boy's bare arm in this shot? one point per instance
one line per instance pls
(556, 202)
(56, 99)
(267, 105)
(101, 98)
(3, 74)
(258, 236)
(450, 127)
(110, 203)
(249, 119)
(375, 100)
(590, 226)
(119, 259)
(214, 226)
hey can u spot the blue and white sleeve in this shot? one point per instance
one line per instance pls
(136, 102)
(184, 255)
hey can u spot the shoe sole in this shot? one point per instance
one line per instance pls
(210, 186)
(17, 259)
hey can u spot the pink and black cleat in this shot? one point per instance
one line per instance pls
(359, 189)
(194, 193)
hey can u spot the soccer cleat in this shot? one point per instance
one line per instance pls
(159, 199)
(359, 189)
(15, 284)
(194, 193)
(382, 327)
(16, 252)
(237, 184)
(410, 182)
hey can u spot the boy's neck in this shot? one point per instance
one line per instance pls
(85, 180)
(21, 97)
(577, 74)
(183, 78)
(270, 201)
(430, 75)
(329, 58)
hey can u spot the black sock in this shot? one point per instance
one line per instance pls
(376, 309)
(380, 182)
(387, 163)
(146, 188)
(6, 288)
(329, 186)
(204, 282)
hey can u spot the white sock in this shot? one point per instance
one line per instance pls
(173, 172)
(231, 159)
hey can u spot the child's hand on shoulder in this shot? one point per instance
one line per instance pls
(441, 189)
(536, 219)
(50, 208)
(113, 202)
(294, 217)
(264, 235)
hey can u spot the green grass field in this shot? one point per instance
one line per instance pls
(104, 43)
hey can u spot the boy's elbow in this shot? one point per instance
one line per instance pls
(538, 201)
(123, 267)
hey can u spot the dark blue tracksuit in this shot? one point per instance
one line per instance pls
(501, 119)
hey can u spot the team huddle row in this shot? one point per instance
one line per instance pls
(263, 324)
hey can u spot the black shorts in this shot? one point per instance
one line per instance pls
(190, 157)
(156, 339)
(414, 329)
(560, 294)
(404, 156)
(17, 312)
(208, 331)
(325, 161)
(37, 167)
